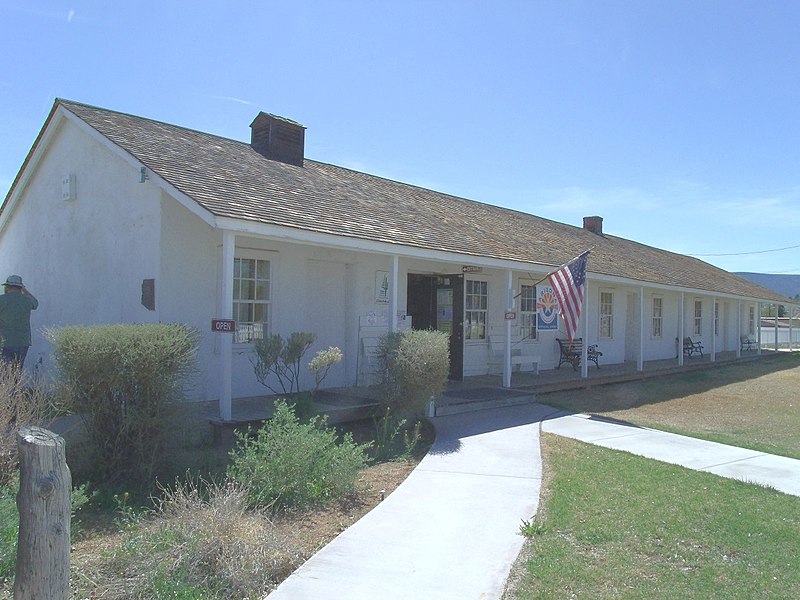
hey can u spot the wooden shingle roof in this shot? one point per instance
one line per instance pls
(230, 179)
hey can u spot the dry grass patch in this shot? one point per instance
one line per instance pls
(201, 543)
(750, 404)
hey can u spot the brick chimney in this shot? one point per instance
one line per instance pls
(593, 224)
(278, 138)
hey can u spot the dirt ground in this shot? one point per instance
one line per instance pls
(308, 530)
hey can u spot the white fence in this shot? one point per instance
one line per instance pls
(768, 337)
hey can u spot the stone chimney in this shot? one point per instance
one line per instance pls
(277, 138)
(593, 224)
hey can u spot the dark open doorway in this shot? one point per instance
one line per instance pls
(437, 302)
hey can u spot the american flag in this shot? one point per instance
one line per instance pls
(568, 284)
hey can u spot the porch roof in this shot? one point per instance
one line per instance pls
(230, 179)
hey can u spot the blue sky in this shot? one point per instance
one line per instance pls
(677, 122)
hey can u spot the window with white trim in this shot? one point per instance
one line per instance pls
(476, 302)
(698, 318)
(252, 298)
(658, 317)
(606, 314)
(527, 311)
(716, 318)
(751, 321)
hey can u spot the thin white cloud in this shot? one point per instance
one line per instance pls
(581, 199)
(229, 99)
(70, 15)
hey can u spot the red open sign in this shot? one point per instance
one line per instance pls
(223, 325)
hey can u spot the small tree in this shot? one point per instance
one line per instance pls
(322, 363)
(415, 367)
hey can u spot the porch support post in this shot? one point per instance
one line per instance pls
(739, 328)
(507, 340)
(585, 316)
(226, 312)
(758, 325)
(394, 275)
(640, 358)
(777, 308)
(714, 321)
(791, 320)
(681, 328)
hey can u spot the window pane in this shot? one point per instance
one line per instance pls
(247, 290)
(262, 268)
(259, 313)
(248, 268)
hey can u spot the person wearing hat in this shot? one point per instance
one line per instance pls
(16, 305)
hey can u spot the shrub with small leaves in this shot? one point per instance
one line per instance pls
(122, 379)
(415, 367)
(288, 463)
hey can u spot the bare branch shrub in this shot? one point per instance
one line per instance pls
(20, 405)
(278, 358)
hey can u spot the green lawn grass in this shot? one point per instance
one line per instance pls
(615, 525)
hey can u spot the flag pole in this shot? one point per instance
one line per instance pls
(555, 270)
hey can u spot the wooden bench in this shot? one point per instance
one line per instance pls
(748, 343)
(497, 349)
(572, 351)
(691, 347)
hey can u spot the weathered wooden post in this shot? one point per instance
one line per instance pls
(44, 505)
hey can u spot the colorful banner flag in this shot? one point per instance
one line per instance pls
(546, 308)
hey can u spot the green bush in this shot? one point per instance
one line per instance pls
(287, 463)
(121, 379)
(415, 365)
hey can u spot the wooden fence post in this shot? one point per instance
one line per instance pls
(44, 504)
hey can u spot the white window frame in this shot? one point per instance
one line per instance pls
(716, 318)
(697, 326)
(657, 327)
(476, 313)
(527, 312)
(606, 314)
(751, 320)
(245, 331)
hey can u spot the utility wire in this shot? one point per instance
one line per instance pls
(745, 253)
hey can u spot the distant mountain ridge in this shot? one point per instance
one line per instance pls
(788, 285)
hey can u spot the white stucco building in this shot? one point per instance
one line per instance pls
(118, 218)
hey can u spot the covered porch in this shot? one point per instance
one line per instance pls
(479, 392)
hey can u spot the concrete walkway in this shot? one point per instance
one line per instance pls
(451, 529)
(752, 466)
